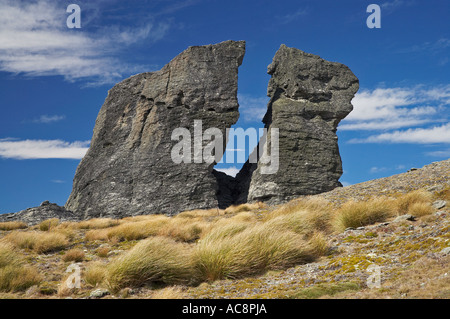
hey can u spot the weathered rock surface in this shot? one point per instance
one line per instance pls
(309, 97)
(35, 215)
(128, 169)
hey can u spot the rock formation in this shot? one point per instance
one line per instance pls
(309, 97)
(128, 169)
(35, 215)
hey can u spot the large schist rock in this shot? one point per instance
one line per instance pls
(128, 169)
(309, 96)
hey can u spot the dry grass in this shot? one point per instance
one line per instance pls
(357, 214)
(75, 255)
(156, 259)
(234, 209)
(15, 275)
(102, 252)
(97, 223)
(311, 204)
(420, 209)
(303, 222)
(48, 224)
(406, 201)
(233, 251)
(39, 242)
(95, 274)
(7, 226)
(174, 292)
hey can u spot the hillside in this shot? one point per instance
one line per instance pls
(312, 247)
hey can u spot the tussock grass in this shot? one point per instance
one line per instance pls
(357, 214)
(6, 226)
(312, 204)
(420, 209)
(302, 221)
(173, 292)
(233, 252)
(406, 201)
(48, 224)
(97, 223)
(75, 255)
(39, 242)
(201, 213)
(234, 209)
(95, 274)
(156, 259)
(15, 274)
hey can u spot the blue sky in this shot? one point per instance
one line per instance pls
(53, 80)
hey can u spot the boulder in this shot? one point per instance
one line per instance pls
(128, 169)
(309, 96)
(35, 215)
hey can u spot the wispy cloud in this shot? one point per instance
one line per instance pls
(292, 16)
(431, 135)
(252, 108)
(35, 41)
(42, 149)
(443, 153)
(394, 108)
(46, 119)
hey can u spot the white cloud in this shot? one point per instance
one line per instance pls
(394, 108)
(435, 134)
(252, 108)
(443, 153)
(375, 169)
(45, 119)
(232, 171)
(35, 41)
(42, 149)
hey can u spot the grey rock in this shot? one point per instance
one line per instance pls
(406, 217)
(445, 251)
(99, 293)
(439, 204)
(35, 215)
(309, 97)
(128, 169)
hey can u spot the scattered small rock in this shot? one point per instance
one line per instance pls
(445, 251)
(99, 293)
(405, 217)
(439, 204)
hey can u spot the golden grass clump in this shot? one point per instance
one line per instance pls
(234, 252)
(182, 230)
(95, 274)
(234, 209)
(303, 222)
(172, 292)
(156, 259)
(75, 255)
(6, 226)
(312, 204)
(420, 209)
(406, 201)
(357, 214)
(39, 242)
(15, 274)
(98, 223)
(48, 224)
